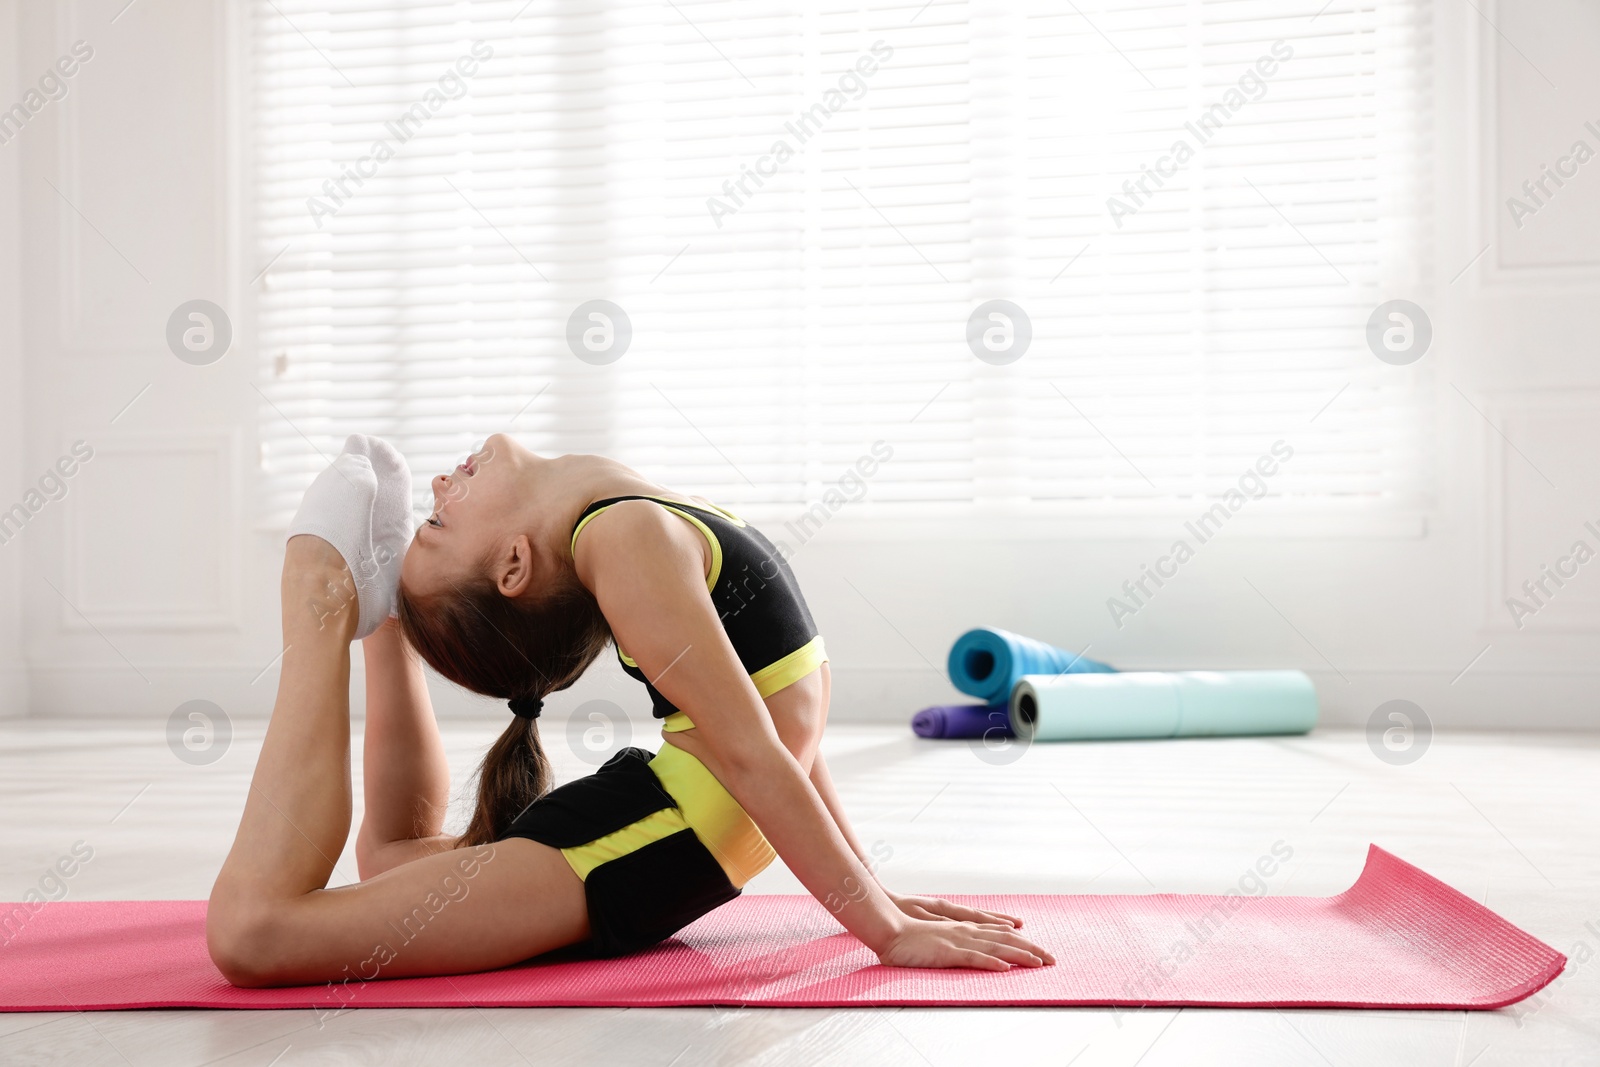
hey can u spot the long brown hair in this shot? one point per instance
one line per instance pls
(515, 649)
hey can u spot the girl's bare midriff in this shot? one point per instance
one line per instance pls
(798, 711)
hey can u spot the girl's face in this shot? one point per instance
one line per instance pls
(476, 511)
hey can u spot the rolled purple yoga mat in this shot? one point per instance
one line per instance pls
(962, 720)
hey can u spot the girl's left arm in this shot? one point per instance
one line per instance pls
(406, 778)
(916, 907)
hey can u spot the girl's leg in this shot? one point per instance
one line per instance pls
(406, 779)
(456, 912)
(297, 815)
(272, 922)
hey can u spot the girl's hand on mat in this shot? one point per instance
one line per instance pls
(937, 908)
(946, 943)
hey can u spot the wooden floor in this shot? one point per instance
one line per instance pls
(1511, 820)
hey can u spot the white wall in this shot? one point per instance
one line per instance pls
(152, 544)
(13, 675)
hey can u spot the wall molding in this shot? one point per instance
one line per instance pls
(224, 611)
(1506, 410)
(72, 232)
(1489, 218)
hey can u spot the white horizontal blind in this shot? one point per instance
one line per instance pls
(799, 209)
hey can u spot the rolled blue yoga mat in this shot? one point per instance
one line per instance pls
(1135, 704)
(986, 662)
(963, 720)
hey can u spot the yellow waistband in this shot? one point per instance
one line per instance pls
(717, 819)
(703, 805)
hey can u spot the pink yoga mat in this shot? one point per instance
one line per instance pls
(1398, 938)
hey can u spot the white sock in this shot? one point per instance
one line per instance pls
(393, 522)
(341, 507)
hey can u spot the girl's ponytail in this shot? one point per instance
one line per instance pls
(517, 650)
(515, 772)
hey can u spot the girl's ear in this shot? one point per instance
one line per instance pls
(514, 568)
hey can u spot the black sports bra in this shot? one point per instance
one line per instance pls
(755, 594)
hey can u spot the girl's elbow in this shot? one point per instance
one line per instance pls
(757, 764)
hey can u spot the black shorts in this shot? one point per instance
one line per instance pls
(646, 872)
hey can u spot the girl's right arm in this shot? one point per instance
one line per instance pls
(646, 569)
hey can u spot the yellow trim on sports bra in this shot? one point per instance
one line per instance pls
(705, 531)
(791, 668)
(572, 546)
(720, 510)
(768, 680)
(711, 538)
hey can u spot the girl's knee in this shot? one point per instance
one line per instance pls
(245, 941)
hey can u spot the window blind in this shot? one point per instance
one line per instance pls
(799, 207)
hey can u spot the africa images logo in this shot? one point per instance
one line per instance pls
(451, 85)
(1251, 85)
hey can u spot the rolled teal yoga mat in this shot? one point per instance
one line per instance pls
(1134, 704)
(986, 662)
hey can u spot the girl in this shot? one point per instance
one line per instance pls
(527, 567)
